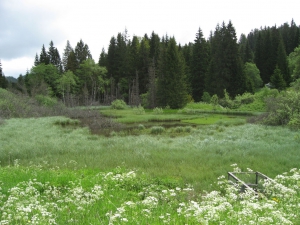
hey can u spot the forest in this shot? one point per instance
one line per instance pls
(155, 71)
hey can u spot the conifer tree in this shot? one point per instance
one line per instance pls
(54, 57)
(111, 57)
(154, 48)
(103, 58)
(67, 51)
(44, 58)
(36, 60)
(259, 56)
(71, 63)
(226, 67)
(3, 81)
(248, 55)
(277, 79)
(144, 62)
(199, 65)
(172, 90)
(282, 63)
(82, 52)
(293, 38)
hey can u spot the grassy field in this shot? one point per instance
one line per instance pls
(54, 171)
(196, 156)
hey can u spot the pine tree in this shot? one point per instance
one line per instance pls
(36, 60)
(54, 57)
(277, 79)
(258, 59)
(248, 55)
(154, 48)
(71, 63)
(199, 65)
(111, 57)
(44, 58)
(3, 81)
(82, 52)
(52, 53)
(293, 39)
(103, 58)
(282, 63)
(67, 51)
(226, 67)
(172, 89)
(144, 62)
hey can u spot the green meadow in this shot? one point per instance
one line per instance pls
(160, 167)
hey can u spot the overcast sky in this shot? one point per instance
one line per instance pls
(28, 24)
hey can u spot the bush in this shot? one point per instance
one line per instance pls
(141, 127)
(118, 104)
(46, 100)
(139, 110)
(294, 123)
(206, 97)
(179, 129)
(157, 130)
(157, 110)
(246, 98)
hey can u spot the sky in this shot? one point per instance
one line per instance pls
(28, 24)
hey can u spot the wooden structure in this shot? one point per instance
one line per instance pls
(251, 181)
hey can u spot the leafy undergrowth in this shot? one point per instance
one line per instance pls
(125, 197)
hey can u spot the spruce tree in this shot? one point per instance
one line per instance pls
(71, 63)
(54, 57)
(3, 81)
(103, 58)
(226, 67)
(144, 62)
(111, 54)
(199, 65)
(36, 60)
(154, 48)
(67, 51)
(282, 63)
(44, 58)
(172, 89)
(277, 79)
(82, 52)
(258, 59)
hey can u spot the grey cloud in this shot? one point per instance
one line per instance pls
(24, 30)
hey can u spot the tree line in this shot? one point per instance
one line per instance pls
(157, 72)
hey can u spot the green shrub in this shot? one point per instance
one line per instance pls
(214, 101)
(157, 130)
(141, 127)
(139, 110)
(157, 110)
(206, 97)
(118, 104)
(294, 123)
(188, 129)
(46, 100)
(179, 129)
(245, 98)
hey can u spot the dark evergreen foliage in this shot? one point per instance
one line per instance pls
(44, 58)
(277, 80)
(282, 63)
(67, 51)
(199, 66)
(172, 90)
(226, 67)
(3, 81)
(103, 58)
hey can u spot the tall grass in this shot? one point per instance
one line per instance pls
(197, 158)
